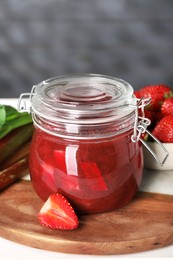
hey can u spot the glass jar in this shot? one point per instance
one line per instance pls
(82, 145)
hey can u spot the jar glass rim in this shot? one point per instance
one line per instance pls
(81, 96)
(83, 106)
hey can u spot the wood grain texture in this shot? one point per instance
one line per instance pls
(146, 223)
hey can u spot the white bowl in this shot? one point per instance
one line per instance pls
(151, 163)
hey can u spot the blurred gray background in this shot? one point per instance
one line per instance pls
(129, 39)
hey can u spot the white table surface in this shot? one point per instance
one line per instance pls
(153, 181)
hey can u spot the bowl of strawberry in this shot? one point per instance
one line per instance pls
(160, 113)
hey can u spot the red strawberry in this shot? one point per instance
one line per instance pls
(154, 117)
(156, 93)
(137, 94)
(164, 129)
(149, 114)
(57, 213)
(167, 107)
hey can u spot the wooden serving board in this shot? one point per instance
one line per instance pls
(146, 223)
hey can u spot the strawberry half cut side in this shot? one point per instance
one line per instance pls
(57, 213)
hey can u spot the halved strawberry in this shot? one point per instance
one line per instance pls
(57, 213)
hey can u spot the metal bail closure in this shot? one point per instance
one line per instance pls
(162, 161)
(24, 102)
(140, 127)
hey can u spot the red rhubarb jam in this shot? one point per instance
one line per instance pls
(82, 145)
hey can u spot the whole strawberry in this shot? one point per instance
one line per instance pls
(164, 129)
(156, 93)
(167, 107)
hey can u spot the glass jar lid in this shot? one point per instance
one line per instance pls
(78, 97)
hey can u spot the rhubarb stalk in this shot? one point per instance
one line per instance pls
(13, 141)
(13, 172)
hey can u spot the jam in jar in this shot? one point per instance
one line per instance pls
(82, 145)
